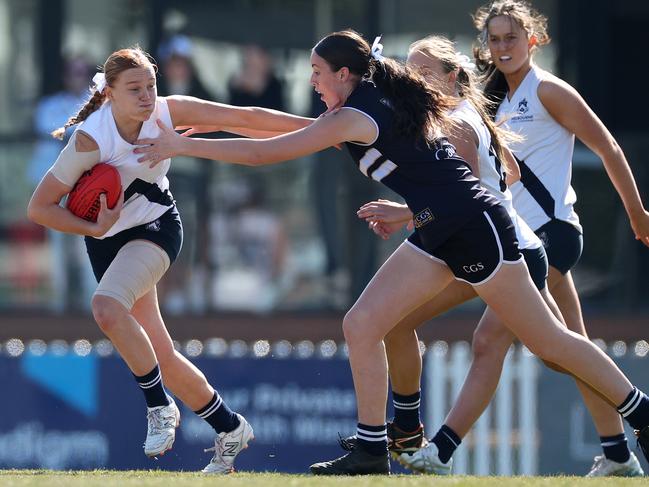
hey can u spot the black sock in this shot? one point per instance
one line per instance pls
(406, 411)
(447, 441)
(373, 439)
(616, 448)
(153, 388)
(219, 415)
(635, 409)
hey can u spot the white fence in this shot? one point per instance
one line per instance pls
(504, 440)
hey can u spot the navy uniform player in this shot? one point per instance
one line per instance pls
(482, 145)
(132, 245)
(390, 120)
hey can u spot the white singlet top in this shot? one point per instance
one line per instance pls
(146, 190)
(545, 156)
(492, 174)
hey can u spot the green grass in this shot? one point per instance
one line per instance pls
(107, 478)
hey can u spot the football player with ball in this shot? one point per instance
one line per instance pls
(134, 233)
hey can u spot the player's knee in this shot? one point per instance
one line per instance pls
(357, 326)
(483, 346)
(108, 313)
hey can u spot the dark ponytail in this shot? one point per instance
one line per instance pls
(418, 108)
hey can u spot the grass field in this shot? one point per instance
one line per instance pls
(104, 478)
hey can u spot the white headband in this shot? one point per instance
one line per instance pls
(465, 62)
(377, 49)
(99, 79)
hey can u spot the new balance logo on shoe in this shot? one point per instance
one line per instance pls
(230, 449)
(227, 446)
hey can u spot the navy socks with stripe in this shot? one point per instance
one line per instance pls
(616, 448)
(219, 415)
(447, 442)
(635, 409)
(372, 439)
(153, 388)
(406, 411)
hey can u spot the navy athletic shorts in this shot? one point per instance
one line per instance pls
(478, 248)
(537, 265)
(563, 244)
(166, 232)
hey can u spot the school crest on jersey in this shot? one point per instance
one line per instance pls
(423, 217)
(522, 106)
(522, 113)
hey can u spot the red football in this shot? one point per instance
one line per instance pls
(83, 200)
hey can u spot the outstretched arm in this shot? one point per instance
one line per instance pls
(569, 109)
(345, 125)
(190, 111)
(187, 130)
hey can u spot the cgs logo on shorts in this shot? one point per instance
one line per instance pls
(423, 217)
(473, 268)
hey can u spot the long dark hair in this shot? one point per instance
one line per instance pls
(527, 18)
(418, 108)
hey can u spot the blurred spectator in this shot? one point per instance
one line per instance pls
(184, 286)
(72, 281)
(177, 73)
(250, 246)
(256, 83)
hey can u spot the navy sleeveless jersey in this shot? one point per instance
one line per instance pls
(436, 183)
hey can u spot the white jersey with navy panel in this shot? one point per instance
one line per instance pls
(437, 185)
(146, 189)
(545, 156)
(492, 175)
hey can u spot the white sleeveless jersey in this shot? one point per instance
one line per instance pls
(146, 190)
(492, 175)
(545, 156)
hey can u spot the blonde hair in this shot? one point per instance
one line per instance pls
(443, 49)
(117, 62)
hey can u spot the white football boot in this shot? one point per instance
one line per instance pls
(161, 431)
(227, 446)
(426, 460)
(604, 467)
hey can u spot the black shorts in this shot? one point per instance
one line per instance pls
(537, 265)
(166, 232)
(563, 244)
(477, 250)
